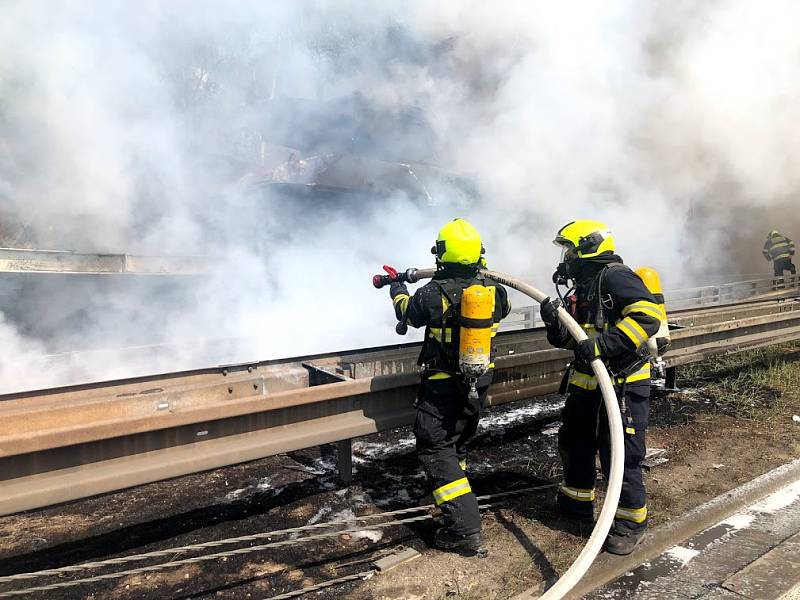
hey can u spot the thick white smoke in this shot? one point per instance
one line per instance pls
(124, 127)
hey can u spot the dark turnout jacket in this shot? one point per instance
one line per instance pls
(435, 306)
(613, 305)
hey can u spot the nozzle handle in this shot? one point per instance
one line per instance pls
(407, 276)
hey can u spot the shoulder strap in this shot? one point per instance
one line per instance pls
(604, 301)
(451, 291)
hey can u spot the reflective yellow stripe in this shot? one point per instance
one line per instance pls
(582, 495)
(583, 381)
(643, 373)
(495, 327)
(440, 375)
(663, 310)
(589, 382)
(402, 300)
(633, 330)
(451, 491)
(643, 306)
(636, 515)
(463, 464)
(630, 431)
(784, 255)
(436, 333)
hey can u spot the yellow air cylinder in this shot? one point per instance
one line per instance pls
(653, 283)
(475, 337)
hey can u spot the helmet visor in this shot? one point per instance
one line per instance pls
(568, 253)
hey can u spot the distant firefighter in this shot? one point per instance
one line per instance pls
(779, 249)
(457, 305)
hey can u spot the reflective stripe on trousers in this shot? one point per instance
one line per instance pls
(451, 491)
(634, 515)
(581, 495)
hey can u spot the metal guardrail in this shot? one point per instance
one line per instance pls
(15, 260)
(527, 317)
(729, 293)
(69, 443)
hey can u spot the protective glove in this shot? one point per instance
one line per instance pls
(548, 310)
(587, 350)
(396, 288)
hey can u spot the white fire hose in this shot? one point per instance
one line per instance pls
(606, 519)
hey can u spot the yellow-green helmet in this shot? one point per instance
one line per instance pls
(458, 242)
(585, 239)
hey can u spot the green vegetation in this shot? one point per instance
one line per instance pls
(754, 385)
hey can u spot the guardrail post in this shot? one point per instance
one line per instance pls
(671, 380)
(344, 455)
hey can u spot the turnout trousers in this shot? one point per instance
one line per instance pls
(783, 264)
(583, 433)
(446, 422)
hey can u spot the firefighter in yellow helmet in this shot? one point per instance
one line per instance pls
(780, 250)
(619, 315)
(447, 418)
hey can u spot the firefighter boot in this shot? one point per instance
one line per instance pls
(466, 545)
(622, 539)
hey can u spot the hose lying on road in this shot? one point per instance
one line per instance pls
(578, 569)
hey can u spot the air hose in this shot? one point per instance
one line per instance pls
(604, 522)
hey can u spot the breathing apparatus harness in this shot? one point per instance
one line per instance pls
(600, 305)
(467, 316)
